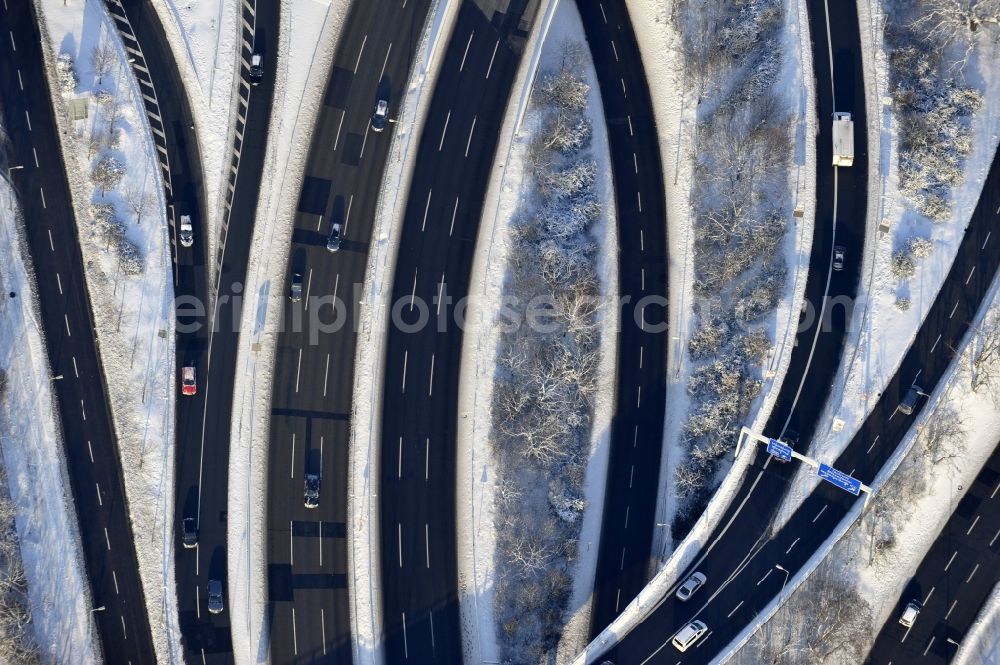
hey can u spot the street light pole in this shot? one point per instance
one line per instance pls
(778, 566)
(13, 168)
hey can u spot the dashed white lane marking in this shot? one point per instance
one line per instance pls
(320, 539)
(454, 211)
(197, 605)
(936, 343)
(628, 510)
(987, 239)
(630, 132)
(427, 206)
(615, 50)
(761, 580)
(83, 410)
(468, 142)
(953, 310)
(293, 456)
(399, 459)
(322, 623)
(430, 385)
(42, 192)
(640, 357)
(124, 633)
(995, 536)
(52, 247)
(948, 565)
(928, 647)
(740, 604)
(631, 475)
(91, 451)
(642, 277)
(385, 62)
(621, 564)
(35, 153)
(928, 596)
(430, 615)
(413, 293)
(973, 525)
(427, 459)
(642, 241)
(874, 441)
(99, 502)
(291, 543)
(444, 130)
(326, 374)
(295, 635)
(440, 293)
(618, 598)
(20, 81)
(794, 543)
(406, 357)
(971, 273)
(624, 94)
(298, 371)
(427, 544)
(28, 118)
(638, 196)
(347, 215)
(336, 139)
(114, 578)
(461, 66)
(59, 283)
(406, 648)
(635, 162)
(360, 51)
(309, 283)
(601, 5)
(638, 397)
(13, 46)
(490, 68)
(399, 542)
(950, 609)
(106, 539)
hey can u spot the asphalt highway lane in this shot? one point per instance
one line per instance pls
(624, 559)
(953, 581)
(93, 464)
(420, 390)
(313, 379)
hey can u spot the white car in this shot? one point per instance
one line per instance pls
(690, 585)
(910, 613)
(688, 635)
(381, 115)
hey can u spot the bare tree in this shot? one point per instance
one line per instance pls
(139, 201)
(984, 356)
(107, 173)
(944, 438)
(102, 58)
(958, 21)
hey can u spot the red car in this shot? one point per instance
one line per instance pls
(189, 386)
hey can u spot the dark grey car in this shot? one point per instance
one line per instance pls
(311, 491)
(215, 597)
(189, 532)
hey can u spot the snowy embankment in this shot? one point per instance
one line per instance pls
(117, 193)
(300, 80)
(204, 37)
(981, 645)
(490, 585)
(915, 494)
(36, 476)
(905, 264)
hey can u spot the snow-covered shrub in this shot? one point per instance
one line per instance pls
(933, 110)
(920, 247)
(17, 635)
(903, 303)
(66, 73)
(902, 265)
(107, 172)
(131, 259)
(109, 228)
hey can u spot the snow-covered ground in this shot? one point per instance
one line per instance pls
(508, 196)
(879, 555)
(37, 478)
(981, 645)
(880, 333)
(204, 37)
(300, 78)
(130, 288)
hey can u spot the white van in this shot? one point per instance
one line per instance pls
(689, 634)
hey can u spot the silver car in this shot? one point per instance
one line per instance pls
(215, 596)
(690, 585)
(333, 242)
(311, 491)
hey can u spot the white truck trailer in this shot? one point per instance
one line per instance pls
(843, 139)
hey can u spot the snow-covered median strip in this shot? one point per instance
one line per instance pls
(117, 194)
(37, 479)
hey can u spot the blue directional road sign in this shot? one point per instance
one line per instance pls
(839, 478)
(779, 450)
